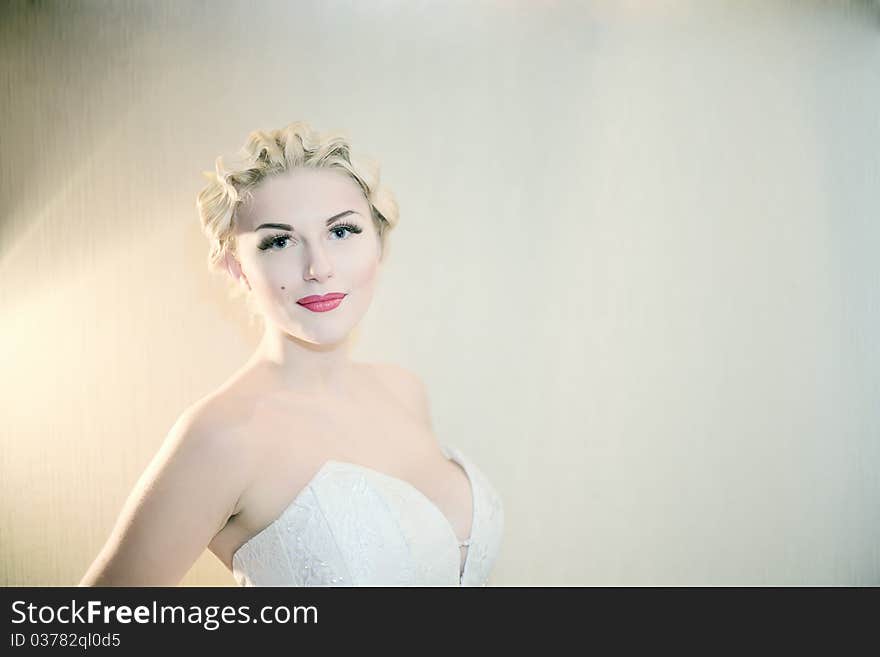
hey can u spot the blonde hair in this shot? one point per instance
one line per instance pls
(268, 153)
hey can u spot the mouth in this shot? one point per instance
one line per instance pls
(321, 303)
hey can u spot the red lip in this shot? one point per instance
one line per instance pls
(317, 297)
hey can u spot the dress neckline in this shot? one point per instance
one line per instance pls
(449, 452)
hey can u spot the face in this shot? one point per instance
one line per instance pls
(308, 233)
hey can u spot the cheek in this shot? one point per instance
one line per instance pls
(278, 278)
(365, 274)
(268, 277)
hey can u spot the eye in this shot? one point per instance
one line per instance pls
(274, 242)
(351, 228)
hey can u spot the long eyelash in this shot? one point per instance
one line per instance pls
(351, 227)
(270, 240)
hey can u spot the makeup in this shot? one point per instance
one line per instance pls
(321, 304)
(280, 241)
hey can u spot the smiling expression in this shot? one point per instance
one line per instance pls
(309, 232)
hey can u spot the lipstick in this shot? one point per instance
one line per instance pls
(321, 303)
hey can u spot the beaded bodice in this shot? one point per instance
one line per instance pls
(355, 526)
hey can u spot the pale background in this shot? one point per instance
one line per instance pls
(637, 264)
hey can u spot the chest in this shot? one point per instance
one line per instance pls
(355, 526)
(293, 442)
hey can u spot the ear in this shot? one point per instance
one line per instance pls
(233, 266)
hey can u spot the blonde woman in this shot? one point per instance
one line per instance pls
(305, 468)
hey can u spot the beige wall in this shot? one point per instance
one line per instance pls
(637, 264)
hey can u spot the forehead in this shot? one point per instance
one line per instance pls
(302, 197)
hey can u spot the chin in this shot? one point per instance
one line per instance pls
(325, 337)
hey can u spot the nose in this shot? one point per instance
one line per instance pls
(318, 267)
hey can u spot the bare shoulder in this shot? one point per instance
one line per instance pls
(181, 501)
(199, 434)
(402, 381)
(201, 425)
(208, 420)
(210, 430)
(407, 386)
(228, 411)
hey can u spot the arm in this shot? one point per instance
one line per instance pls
(183, 498)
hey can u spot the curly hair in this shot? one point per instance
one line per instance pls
(268, 153)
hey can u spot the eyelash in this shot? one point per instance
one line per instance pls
(271, 240)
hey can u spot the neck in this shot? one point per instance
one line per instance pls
(303, 367)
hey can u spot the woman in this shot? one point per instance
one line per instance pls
(306, 467)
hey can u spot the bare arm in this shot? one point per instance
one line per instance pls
(183, 498)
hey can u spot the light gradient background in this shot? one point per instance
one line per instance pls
(637, 264)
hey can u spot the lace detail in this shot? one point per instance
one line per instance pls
(354, 526)
(486, 534)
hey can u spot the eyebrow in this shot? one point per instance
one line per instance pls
(290, 228)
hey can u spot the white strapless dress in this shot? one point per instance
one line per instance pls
(355, 526)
